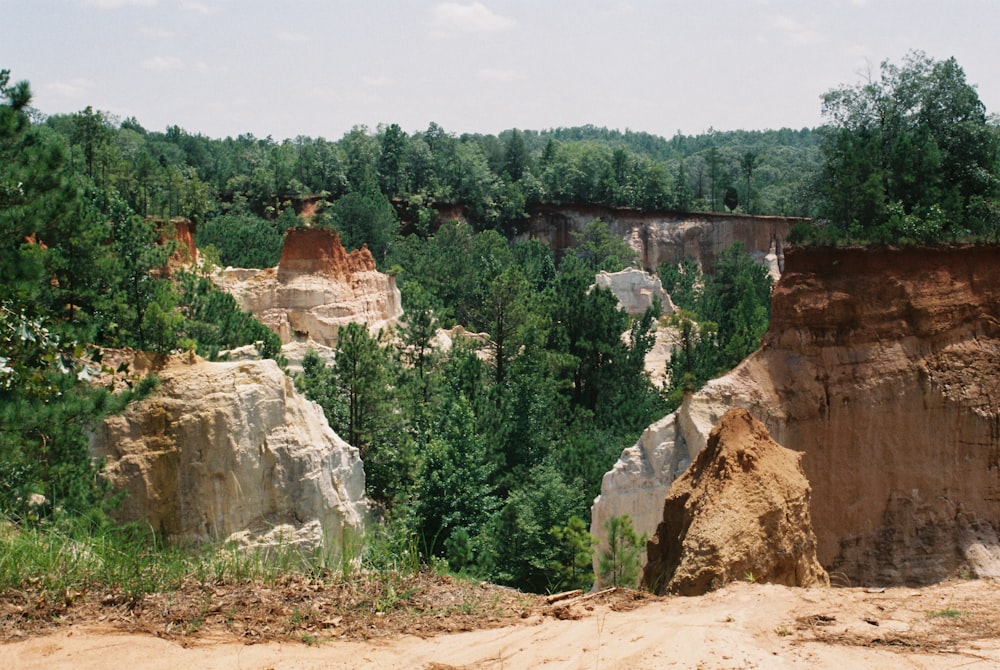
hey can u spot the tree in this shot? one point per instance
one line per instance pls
(619, 563)
(731, 198)
(714, 164)
(909, 155)
(535, 545)
(391, 161)
(366, 217)
(748, 163)
(515, 158)
(599, 249)
(359, 374)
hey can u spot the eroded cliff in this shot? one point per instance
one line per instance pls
(316, 288)
(668, 236)
(740, 509)
(881, 365)
(230, 451)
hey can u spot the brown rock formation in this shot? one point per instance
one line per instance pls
(741, 509)
(316, 288)
(318, 251)
(883, 367)
(884, 364)
(183, 235)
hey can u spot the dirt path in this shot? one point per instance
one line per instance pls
(951, 625)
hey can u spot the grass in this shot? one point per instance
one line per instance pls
(68, 556)
(946, 613)
(80, 570)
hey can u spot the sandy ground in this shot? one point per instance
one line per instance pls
(951, 625)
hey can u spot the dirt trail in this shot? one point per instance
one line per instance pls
(955, 624)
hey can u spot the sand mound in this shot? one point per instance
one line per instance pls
(739, 512)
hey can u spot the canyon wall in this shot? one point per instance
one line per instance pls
(230, 451)
(316, 288)
(881, 365)
(668, 236)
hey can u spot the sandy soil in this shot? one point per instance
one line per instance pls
(951, 625)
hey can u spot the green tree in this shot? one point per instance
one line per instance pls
(730, 198)
(360, 376)
(911, 146)
(619, 563)
(599, 249)
(244, 240)
(749, 162)
(366, 217)
(452, 491)
(531, 545)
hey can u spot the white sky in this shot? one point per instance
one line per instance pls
(319, 67)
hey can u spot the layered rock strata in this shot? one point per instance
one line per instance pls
(668, 236)
(740, 511)
(883, 367)
(230, 451)
(316, 288)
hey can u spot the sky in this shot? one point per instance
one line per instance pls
(320, 67)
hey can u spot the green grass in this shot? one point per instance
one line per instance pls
(82, 554)
(947, 613)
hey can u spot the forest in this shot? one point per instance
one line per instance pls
(485, 465)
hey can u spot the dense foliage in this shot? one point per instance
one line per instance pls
(244, 192)
(489, 459)
(78, 269)
(721, 316)
(909, 155)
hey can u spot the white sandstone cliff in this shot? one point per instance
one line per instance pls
(635, 290)
(230, 451)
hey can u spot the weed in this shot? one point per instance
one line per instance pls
(782, 631)
(947, 613)
(749, 577)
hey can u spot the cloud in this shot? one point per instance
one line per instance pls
(156, 33)
(496, 75)
(286, 36)
(69, 88)
(376, 82)
(451, 17)
(117, 4)
(617, 7)
(797, 33)
(200, 8)
(163, 63)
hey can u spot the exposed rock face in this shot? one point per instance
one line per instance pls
(668, 236)
(184, 231)
(740, 509)
(231, 451)
(316, 288)
(635, 290)
(883, 366)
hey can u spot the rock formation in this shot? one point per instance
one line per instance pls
(635, 290)
(881, 365)
(316, 288)
(668, 236)
(740, 511)
(231, 451)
